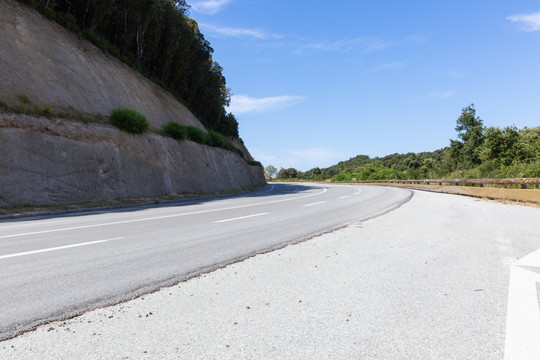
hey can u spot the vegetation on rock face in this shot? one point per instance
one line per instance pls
(157, 38)
(175, 130)
(479, 152)
(129, 120)
(183, 132)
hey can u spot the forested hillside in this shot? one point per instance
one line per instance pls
(478, 152)
(157, 38)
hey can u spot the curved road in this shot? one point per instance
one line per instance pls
(57, 267)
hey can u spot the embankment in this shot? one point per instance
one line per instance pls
(53, 161)
(46, 161)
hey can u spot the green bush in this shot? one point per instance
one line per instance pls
(129, 120)
(175, 130)
(217, 140)
(197, 135)
(24, 99)
(254, 163)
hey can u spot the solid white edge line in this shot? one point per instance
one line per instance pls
(56, 248)
(240, 218)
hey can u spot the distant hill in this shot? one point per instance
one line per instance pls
(479, 152)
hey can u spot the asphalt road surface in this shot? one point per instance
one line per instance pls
(56, 267)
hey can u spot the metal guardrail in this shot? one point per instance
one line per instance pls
(522, 182)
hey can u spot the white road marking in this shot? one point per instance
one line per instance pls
(56, 248)
(317, 203)
(160, 217)
(240, 218)
(523, 316)
(25, 224)
(345, 197)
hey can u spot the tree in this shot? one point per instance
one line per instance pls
(270, 171)
(290, 173)
(471, 131)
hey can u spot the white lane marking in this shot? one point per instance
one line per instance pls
(27, 224)
(272, 188)
(317, 203)
(161, 217)
(240, 218)
(523, 316)
(56, 248)
(345, 197)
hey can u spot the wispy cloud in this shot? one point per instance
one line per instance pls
(528, 22)
(456, 74)
(233, 32)
(241, 104)
(209, 6)
(387, 66)
(365, 44)
(441, 94)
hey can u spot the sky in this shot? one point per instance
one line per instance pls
(317, 82)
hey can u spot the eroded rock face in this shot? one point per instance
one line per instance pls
(52, 66)
(52, 161)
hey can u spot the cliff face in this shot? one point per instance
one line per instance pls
(52, 161)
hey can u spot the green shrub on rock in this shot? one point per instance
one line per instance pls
(129, 120)
(197, 135)
(175, 130)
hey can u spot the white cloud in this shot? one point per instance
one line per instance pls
(528, 22)
(234, 32)
(209, 6)
(241, 104)
(441, 94)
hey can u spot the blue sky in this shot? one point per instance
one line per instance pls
(317, 82)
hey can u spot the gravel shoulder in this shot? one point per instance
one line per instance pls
(428, 280)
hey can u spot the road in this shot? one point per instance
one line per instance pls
(56, 267)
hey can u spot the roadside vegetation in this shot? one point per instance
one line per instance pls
(184, 132)
(478, 152)
(129, 120)
(125, 119)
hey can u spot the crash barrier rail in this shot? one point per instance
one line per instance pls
(522, 182)
(495, 189)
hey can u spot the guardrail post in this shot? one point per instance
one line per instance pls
(523, 186)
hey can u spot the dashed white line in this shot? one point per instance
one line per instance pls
(161, 217)
(317, 203)
(240, 218)
(56, 248)
(345, 197)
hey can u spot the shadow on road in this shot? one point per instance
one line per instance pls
(270, 190)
